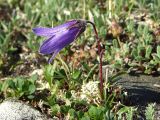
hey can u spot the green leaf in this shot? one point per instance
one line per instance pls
(76, 74)
(80, 114)
(32, 88)
(64, 109)
(0, 87)
(49, 73)
(148, 51)
(30, 97)
(126, 110)
(95, 113)
(55, 109)
(85, 118)
(33, 78)
(20, 83)
(115, 43)
(68, 94)
(134, 52)
(150, 112)
(72, 114)
(130, 114)
(85, 65)
(91, 72)
(11, 84)
(156, 58)
(158, 51)
(4, 86)
(109, 115)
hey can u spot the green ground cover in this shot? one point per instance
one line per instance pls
(129, 32)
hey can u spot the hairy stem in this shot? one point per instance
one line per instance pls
(100, 52)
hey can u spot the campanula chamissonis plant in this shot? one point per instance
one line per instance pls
(59, 36)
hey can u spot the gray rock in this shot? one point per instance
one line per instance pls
(14, 110)
(142, 90)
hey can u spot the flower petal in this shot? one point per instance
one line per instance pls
(59, 41)
(48, 32)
